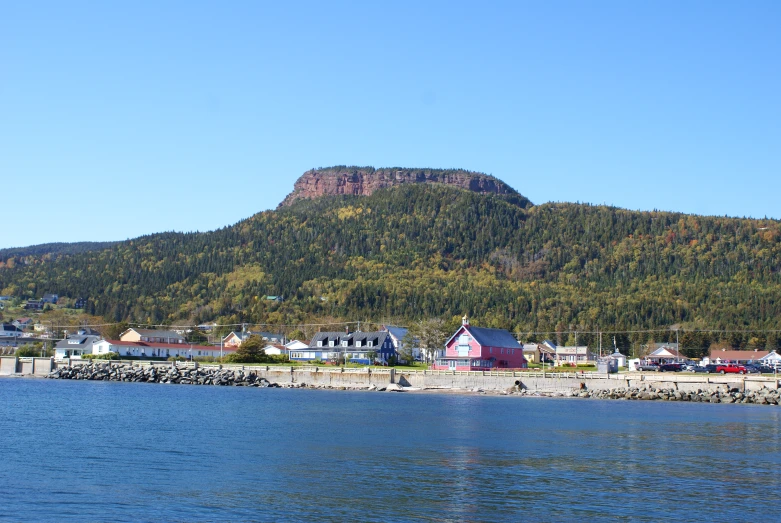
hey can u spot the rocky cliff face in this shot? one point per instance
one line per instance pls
(365, 180)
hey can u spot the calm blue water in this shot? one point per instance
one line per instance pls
(93, 451)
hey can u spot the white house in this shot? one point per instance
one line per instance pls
(8, 329)
(75, 346)
(274, 349)
(620, 358)
(140, 349)
(573, 355)
(773, 359)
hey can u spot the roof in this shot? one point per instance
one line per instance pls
(739, 355)
(549, 344)
(489, 337)
(10, 327)
(396, 332)
(154, 333)
(80, 342)
(160, 345)
(376, 337)
(667, 352)
(25, 320)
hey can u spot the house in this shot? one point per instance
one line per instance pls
(5, 298)
(278, 299)
(296, 344)
(667, 354)
(359, 347)
(773, 359)
(34, 305)
(151, 336)
(235, 338)
(50, 298)
(39, 327)
(23, 323)
(274, 349)
(80, 303)
(10, 330)
(531, 351)
(399, 338)
(736, 356)
(573, 355)
(75, 345)
(619, 358)
(144, 349)
(479, 348)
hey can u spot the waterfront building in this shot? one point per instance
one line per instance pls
(667, 354)
(235, 338)
(480, 348)
(143, 349)
(358, 347)
(151, 336)
(573, 355)
(75, 345)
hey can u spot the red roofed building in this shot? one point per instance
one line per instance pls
(143, 349)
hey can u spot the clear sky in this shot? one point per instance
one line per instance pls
(125, 118)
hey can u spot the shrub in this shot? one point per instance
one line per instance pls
(105, 356)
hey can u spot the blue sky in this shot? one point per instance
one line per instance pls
(119, 119)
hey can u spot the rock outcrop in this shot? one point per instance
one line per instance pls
(364, 181)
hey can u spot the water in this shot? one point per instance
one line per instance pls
(95, 451)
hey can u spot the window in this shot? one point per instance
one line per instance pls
(344, 344)
(320, 343)
(357, 343)
(370, 344)
(330, 343)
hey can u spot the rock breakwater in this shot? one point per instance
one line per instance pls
(724, 394)
(157, 374)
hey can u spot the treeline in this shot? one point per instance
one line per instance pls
(415, 251)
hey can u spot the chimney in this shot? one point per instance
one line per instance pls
(346, 329)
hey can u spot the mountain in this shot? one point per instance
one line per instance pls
(419, 250)
(54, 248)
(364, 181)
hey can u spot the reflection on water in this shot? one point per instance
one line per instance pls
(129, 452)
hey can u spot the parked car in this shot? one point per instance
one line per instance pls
(671, 367)
(753, 369)
(730, 368)
(707, 369)
(690, 367)
(653, 367)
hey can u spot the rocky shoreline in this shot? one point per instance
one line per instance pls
(725, 394)
(241, 378)
(153, 374)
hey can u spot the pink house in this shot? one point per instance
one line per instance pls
(477, 348)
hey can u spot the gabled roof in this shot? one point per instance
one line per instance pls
(489, 337)
(549, 344)
(376, 337)
(154, 333)
(76, 342)
(738, 355)
(396, 332)
(667, 352)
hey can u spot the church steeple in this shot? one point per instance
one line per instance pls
(465, 321)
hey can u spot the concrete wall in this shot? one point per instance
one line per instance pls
(8, 365)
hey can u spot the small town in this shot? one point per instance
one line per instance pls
(470, 348)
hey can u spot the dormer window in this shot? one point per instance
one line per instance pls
(320, 343)
(369, 343)
(357, 343)
(331, 343)
(344, 343)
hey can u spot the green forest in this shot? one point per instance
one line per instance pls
(421, 251)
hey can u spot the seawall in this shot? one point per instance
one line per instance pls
(336, 377)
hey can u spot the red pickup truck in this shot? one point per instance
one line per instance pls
(731, 368)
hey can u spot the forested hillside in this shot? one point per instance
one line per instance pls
(418, 251)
